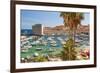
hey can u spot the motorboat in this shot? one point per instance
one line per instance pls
(49, 39)
(33, 43)
(35, 54)
(38, 48)
(63, 42)
(24, 50)
(53, 44)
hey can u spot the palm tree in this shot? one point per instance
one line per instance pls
(71, 21)
(69, 52)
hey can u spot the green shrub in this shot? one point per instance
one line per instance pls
(40, 59)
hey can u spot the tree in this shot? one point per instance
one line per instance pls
(71, 21)
(69, 53)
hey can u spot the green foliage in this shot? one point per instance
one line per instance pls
(69, 52)
(71, 21)
(40, 59)
(69, 43)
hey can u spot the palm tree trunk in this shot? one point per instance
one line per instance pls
(74, 33)
(69, 54)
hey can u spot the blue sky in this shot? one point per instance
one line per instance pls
(46, 18)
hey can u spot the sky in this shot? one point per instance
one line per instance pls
(46, 18)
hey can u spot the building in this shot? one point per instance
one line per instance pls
(83, 29)
(61, 29)
(37, 29)
(58, 30)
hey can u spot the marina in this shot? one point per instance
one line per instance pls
(49, 45)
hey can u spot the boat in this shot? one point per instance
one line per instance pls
(60, 39)
(35, 54)
(49, 39)
(24, 50)
(45, 42)
(53, 44)
(29, 46)
(63, 42)
(38, 48)
(33, 43)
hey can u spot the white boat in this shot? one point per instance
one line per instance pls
(24, 50)
(29, 46)
(38, 48)
(45, 42)
(49, 39)
(33, 43)
(54, 44)
(63, 42)
(35, 54)
(59, 38)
